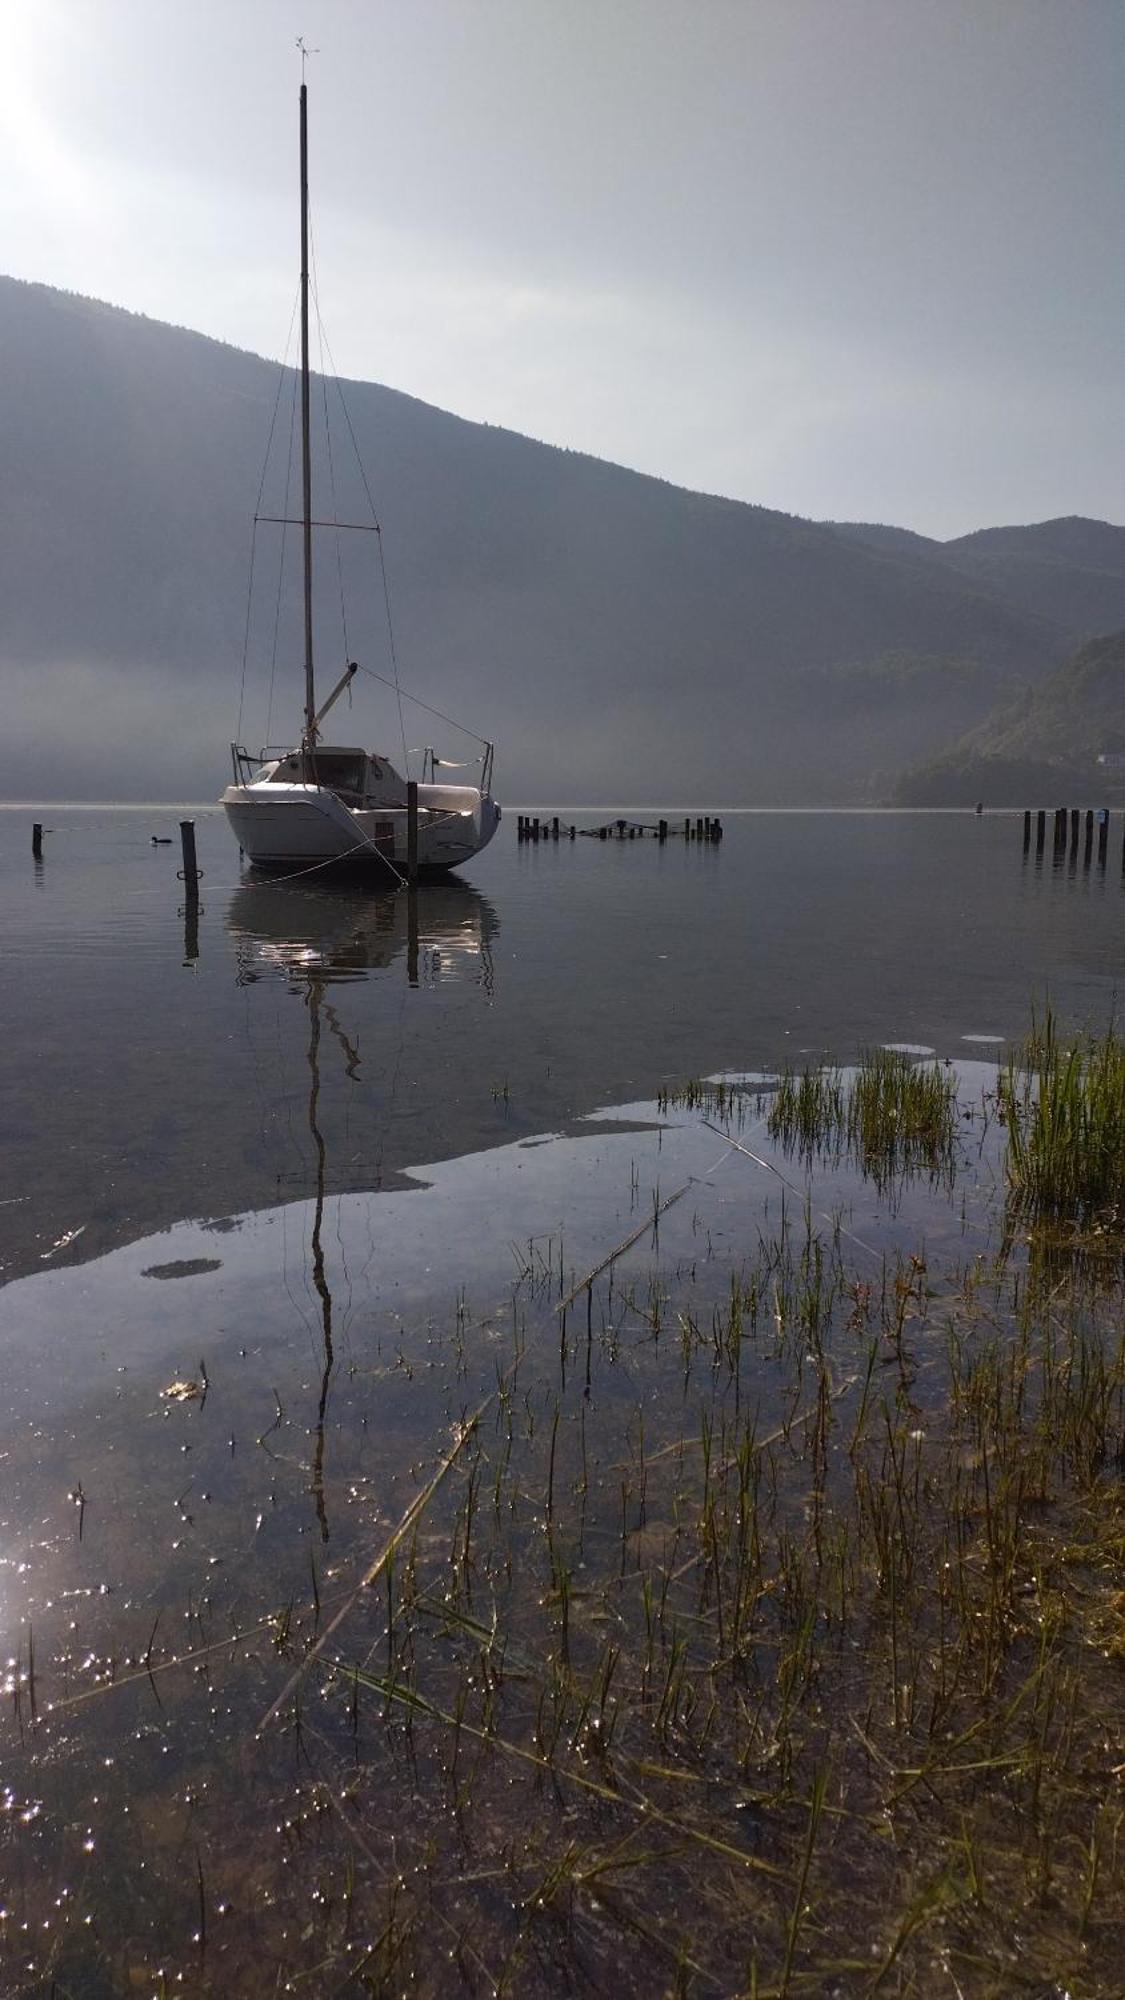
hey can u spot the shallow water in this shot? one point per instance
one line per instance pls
(290, 1200)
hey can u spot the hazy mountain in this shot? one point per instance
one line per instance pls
(1042, 750)
(619, 638)
(1071, 571)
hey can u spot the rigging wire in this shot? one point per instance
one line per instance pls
(257, 513)
(281, 562)
(396, 684)
(246, 631)
(428, 706)
(258, 509)
(328, 441)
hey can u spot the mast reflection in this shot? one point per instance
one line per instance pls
(319, 1273)
(318, 939)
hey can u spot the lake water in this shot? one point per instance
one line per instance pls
(292, 1193)
(141, 1089)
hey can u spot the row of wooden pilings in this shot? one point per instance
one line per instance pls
(1070, 824)
(700, 828)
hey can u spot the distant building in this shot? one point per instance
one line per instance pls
(1112, 760)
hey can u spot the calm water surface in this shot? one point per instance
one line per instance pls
(289, 1190)
(145, 1082)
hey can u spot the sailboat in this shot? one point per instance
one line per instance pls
(319, 804)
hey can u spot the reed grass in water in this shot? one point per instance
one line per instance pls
(894, 1115)
(1063, 1100)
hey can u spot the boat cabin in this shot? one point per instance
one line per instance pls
(356, 777)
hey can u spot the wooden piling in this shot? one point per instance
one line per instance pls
(37, 841)
(190, 871)
(412, 934)
(1027, 828)
(1103, 835)
(412, 832)
(555, 828)
(1040, 830)
(662, 831)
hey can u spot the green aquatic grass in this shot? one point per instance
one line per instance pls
(894, 1115)
(809, 1110)
(1062, 1098)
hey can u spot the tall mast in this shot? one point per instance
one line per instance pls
(306, 456)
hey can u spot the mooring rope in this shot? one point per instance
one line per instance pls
(367, 845)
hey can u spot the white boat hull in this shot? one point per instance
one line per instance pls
(305, 826)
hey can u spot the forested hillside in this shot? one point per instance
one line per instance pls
(1062, 742)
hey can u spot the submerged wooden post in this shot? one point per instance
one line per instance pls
(412, 831)
(573, 831)
(1074, 826)
(1103, 835)
(718, 826)
(1089, 841)
(1040, 830)
(37, 841)
(412, 934)
(662, 831)
(555, 827)
(1027, 828)
(190, 870)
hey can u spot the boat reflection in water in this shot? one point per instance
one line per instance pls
(320, 936)
(443, 930)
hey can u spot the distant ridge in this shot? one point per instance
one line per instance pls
(1071, 570)
(620, 637)
(1044, 749)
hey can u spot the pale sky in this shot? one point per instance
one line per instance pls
(856, 259)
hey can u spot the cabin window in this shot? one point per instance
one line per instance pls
(344, 775)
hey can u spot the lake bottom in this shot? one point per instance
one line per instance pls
(650, 1554)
